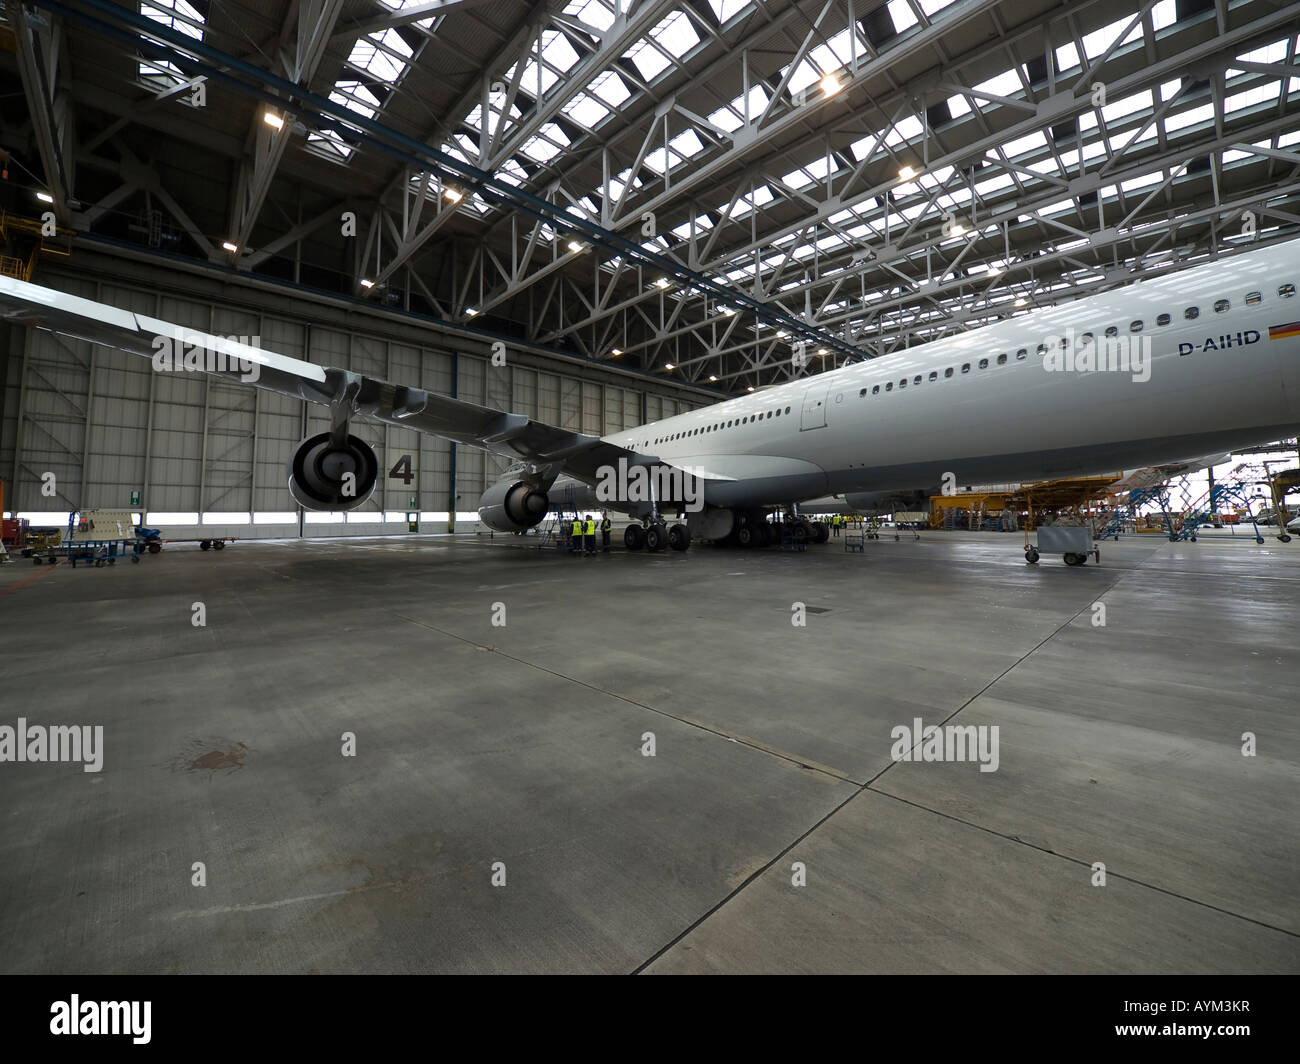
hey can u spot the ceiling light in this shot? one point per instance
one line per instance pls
(712, 377)
(662, 282)
(228, 246)
(669, 365)
(729, 311)
(750, 388)
(272, 119)
(831, 85)
(616, 351)
(994, 270)
(45, 197)
(453, 195)
(958, 230)
(575, 247)
(367, 283)
(822, 351)
(906, 173)
(471, 311)
(1021, 301)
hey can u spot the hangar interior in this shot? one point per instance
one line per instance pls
(637, 208)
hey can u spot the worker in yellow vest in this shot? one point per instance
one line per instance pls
(605, 526)
(575, 535)
(589, 533)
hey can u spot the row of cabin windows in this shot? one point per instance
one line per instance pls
(1286, 291)
(718, 426)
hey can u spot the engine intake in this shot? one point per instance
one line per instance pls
(319, 473)
(513, 507)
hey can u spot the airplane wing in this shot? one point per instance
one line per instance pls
(514, 436)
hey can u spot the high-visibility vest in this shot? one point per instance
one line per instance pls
(604, 524)
(590, 528)
(577, 527)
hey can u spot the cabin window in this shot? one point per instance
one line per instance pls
(889, 387)
(769, 415)
(1002, 360)
(1252, 298)
(934, 375)
(1022, 354)
(1086, 339)
(1163, 319)
(903, 383)
(1112, 330)
(1135, 326)
(787, 410)
(984, 363)
(1042, 349)
(1192, 313)
(948, 372)
(965, 367)
(1286, 291)
(862, 394)
(916, 379)
(875, 390)
(1220, 305)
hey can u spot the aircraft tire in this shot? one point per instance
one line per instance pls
(634, 537)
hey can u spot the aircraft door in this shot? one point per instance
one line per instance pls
(814, 407)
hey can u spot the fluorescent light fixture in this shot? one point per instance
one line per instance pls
(662, 282)
(1021, 301)
(453, 195)
(366, 282)
(906, 173)
(831, 85)
(750, 388)
(616, 351)
(958, 230)
(228, 246)
(729, 311)
(669, 365)
(712, 377)
(471, 311)
(994, 270)
(45, 197)
(272, 119)
(822, 351)
(575, 247)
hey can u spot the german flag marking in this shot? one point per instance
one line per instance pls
(1283, 332)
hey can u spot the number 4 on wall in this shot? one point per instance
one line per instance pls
(402, 470)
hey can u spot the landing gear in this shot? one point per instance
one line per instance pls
(634, 537)
(802, 532)
(679, 537)
(1031, 556)
(656, 537)
(820, 532)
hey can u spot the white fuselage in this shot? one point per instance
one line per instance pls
(1201, 373)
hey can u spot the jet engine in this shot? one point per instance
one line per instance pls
(326, 476)
(513, 506)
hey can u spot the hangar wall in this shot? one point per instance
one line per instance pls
(106, 424)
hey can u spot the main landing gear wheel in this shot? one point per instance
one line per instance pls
(1075, 559)
(802, 532)
(656, 538)
(1031, 556)
(679, 537)
(820, 532)
(634, 537)
(749, 536)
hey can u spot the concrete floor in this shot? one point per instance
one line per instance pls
(522, 744)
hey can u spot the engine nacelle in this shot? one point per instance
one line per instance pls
(319, 473)
(513, 507)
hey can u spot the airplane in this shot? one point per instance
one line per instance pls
(1206, 359)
